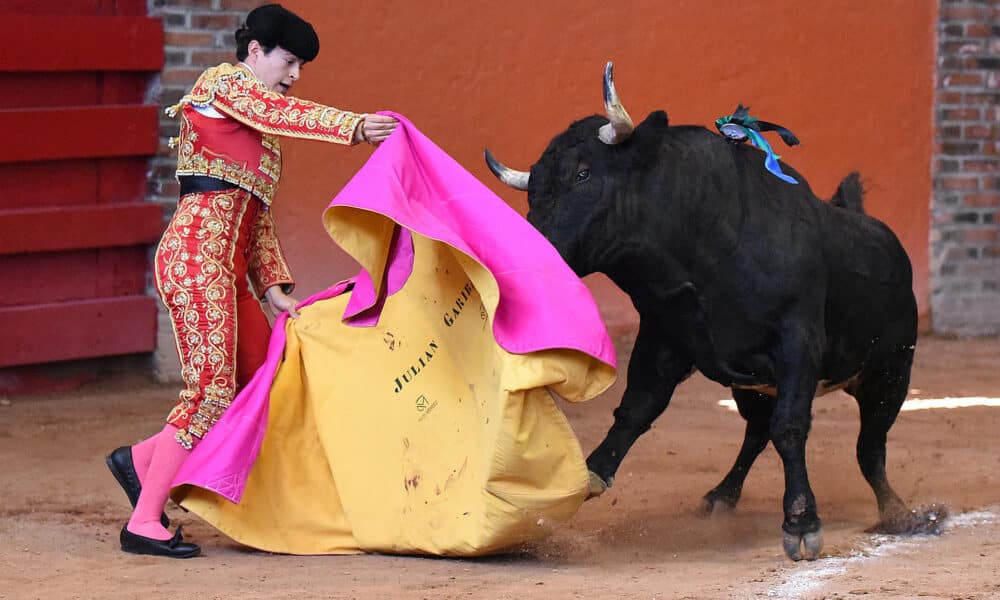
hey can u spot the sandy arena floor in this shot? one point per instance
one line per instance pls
(60, 510)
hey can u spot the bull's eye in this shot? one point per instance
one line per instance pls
(582, 175)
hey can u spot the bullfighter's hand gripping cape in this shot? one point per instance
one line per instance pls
(407, 410)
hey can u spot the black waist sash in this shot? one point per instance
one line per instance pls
(191, 184)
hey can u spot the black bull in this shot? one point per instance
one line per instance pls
(751, 280)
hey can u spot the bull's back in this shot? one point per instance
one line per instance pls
(758, 250)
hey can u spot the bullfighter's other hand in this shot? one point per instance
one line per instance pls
(375, 129)
(279, 302)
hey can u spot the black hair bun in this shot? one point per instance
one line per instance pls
(243, 35)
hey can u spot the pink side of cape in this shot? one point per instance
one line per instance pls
(543, 304)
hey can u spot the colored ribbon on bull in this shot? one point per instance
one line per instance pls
(771, 162)
(741, 126)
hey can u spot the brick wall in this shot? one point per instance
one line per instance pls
(198, 34)
(965, 228)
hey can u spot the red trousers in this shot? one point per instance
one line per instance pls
(219, 326)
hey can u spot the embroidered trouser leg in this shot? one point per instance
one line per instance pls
(201, 276)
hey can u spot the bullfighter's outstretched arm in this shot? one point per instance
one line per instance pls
(235, 92)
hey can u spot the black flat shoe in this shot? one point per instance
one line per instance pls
(120, 464)
(175, 547)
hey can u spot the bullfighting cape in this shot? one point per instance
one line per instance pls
(407, 410)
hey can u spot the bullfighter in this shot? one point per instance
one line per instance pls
(220, 256)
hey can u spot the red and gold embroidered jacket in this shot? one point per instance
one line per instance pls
(243, 149)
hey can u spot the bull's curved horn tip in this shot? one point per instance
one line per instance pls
(515, 179)
(609, 82)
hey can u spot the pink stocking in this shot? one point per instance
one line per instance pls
(168, 456)
(142, 453)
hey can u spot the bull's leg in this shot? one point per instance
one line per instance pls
(880, 393)
(797, 367)
(756, 408)
(653, 373)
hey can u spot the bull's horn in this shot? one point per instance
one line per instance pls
(515, 179)
(620, 127)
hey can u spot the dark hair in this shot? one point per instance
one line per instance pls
(273, 25)
(243, 38)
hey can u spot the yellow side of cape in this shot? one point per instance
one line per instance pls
(418, 435)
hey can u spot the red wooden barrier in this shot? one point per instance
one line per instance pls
(75, 43)
(80, 181)
(74, 228)
(77, 132)
(77, 329)
(32, 230)
(73, 275)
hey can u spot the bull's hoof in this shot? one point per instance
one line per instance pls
(716, 506)
(713, 504)
(805, 546)
(597, 486)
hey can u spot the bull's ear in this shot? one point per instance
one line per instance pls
(648, 138)
(656, 120)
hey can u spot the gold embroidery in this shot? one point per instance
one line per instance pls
(184, 438)
(233, 90)
(269, 166)
(204, 162)
(267, 266)
(195, 278)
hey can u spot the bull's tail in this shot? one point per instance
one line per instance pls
(850, 194)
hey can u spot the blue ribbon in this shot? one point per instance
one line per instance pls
(771, 162)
